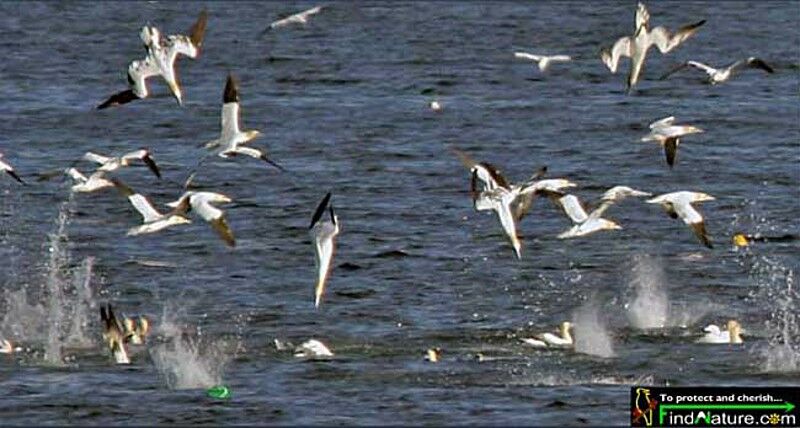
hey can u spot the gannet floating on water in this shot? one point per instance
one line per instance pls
(679, 204)
(114, 334)
(549, 339)
(83, 184)
(112, 163)
(323, 234)
(153, 221)
(543, 61)
(8, 169)
(160, 61)
(232, 139)
(136, 329)
(586, 224)
(312, 348)
(297, 18)
(719, 75)
(732, 334)
(669, 135)
(200, 202)
(636, 46)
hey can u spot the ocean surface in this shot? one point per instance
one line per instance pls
(343, 106)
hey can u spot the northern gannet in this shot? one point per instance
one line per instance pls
(297, 18)
(550, 339)
(669, 135)
(114, 335)
(719, 75)
(160, 61)
(201, 203)
(435, 106)
(8, 169)
(542, 60)
(323, 232)
(153, 221)
(636, 46)
(679, 204)
(585, 224)
(6, 347)
(312, 348)
(83, 184)
(732, 334)
(112, 163)
(231, 139)
(433, 355)
(136, 329)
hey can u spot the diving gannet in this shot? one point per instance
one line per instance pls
(297, 18)
(108, 163)
(679, 204)
(231, 139)
(153, 221)
(550, 339)
(201, 203)
(160, 61)
(8, 169)
(323, 233)
(585, 224)
(542, 60)
(719, 75)
(95, 181)
(113, 333)
(732, 334)
(136, 329)
(635, 47)
(669, 135)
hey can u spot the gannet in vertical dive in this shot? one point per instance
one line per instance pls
(719, 75)
(586, 224)
(669, 135)
(8, 169)
(136, 329)
(543, 61)
(108, 163)
(323, 232)
(635, 47)
(679, 204)
(160, 61)
(297, 18)
(114, 335)
(231, 139)
(732, 334)
(153, 221)
(201, 203)
(550, 339)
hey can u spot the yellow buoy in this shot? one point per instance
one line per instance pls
(740, 240)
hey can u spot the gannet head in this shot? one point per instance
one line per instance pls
(433, 355)
(735, 331)
(251, 135)
(740, 240)
(702, 197)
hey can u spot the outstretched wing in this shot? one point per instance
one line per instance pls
(525, 55)
(610, 56)
(666, 42)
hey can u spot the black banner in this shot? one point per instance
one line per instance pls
(653, 406)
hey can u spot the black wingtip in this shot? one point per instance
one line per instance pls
(198, 30)
(231, 94)
(15, 176)
(119, 98)
(320, 210)
(271, 162)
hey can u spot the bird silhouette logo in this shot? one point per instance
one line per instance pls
(643, 408)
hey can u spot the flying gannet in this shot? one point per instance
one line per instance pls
(297, 18)
(201, 203)
(543, 61)
(585, 224)
(231, 141)
(83, 184)
(719, 75)
(8, 169)
(153, 221)
(113, 333)
(679, 204)
(636, 46)
(160, 61)
(108, 163)
(732, 334)
(666, 133)
(550, 339)
(323, 234)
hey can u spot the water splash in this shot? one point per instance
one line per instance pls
(776, 287)
(84, 304)
(57, 263)
(591, 335)
(650, 307)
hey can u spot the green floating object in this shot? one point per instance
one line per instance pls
(219, 391)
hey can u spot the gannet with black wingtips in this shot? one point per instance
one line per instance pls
(153, 221)
(112, 163)
(160, 61)
(666, 133)
(732, 334)
(297, 18)
(722, 74)
(8, 169)
(543, 61)
(231, 139)
(585, 224)
(201, 203)
(635, 47)
(323, 233)
(114, 335)
(679, 205)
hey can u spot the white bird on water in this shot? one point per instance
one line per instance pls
(323, 232)
(636, 46)
(679, 205)
(586, 224)
(722, 74)
(666, 133)
(8, 169)
(312, 348)
(297, 18)
(731, 334)
(160, 61)
(549, 339)
(543, 61)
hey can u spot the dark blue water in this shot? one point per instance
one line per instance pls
(343, 104)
